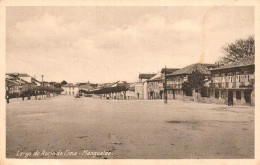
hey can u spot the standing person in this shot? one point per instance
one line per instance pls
(7, 97)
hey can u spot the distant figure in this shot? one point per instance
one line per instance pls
(7, 99)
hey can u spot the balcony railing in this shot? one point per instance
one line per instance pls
(232, 84)
(173, 86)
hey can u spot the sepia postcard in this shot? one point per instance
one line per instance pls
(129, 82)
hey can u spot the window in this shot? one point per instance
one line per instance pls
(216, 94)
(238, 95)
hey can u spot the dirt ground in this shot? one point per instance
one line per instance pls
(127, 129)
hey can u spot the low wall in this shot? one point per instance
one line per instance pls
(201, 99)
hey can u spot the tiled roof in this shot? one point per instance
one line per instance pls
(247, 61)
(146, 75)
(12, 82)
(118, 83)
(203, 68)
(169, 70)
(69, 85)
(157, 77)
(86, 85)
(16, 78)
(34, 80)
(19, 74)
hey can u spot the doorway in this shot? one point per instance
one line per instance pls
(161, 94)
(151, 95)
(248, 96)
(230, 98)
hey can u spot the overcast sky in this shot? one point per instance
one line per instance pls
(106, 44)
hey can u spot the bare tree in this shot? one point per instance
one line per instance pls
(238, 50)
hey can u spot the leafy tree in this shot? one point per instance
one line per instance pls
(238, 50)
(186, 88)
(196, 80)
(57, 85)
(204, 91)
(63, 83)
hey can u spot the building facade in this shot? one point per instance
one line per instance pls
(141, 86)
(155, 89)
(16, 83)
(177, 78)
(234, 84)
(70, 89)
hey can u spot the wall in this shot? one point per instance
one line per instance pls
(253, 98)
(145, 94)
(139, 90)
(130, 95)
(155, 87)
(70, 90)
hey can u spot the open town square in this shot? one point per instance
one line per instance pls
(128, 129)
(130, 82)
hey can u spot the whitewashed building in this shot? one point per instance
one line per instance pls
(70, 89)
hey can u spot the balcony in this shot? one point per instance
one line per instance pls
(216, 85)
(173, 86)
(232, 85)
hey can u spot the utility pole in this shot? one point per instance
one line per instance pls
(42, 79)
(42, 86)
(165, 87)
(7, 91)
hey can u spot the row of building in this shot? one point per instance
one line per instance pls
(114, 90)
(228, 84)
(233, 84)
(16, 83)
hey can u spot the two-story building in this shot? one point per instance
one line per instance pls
(234, 83)
(177, 78)
(19, 82)
(141, 86)
(70, 89)
(155, 85)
